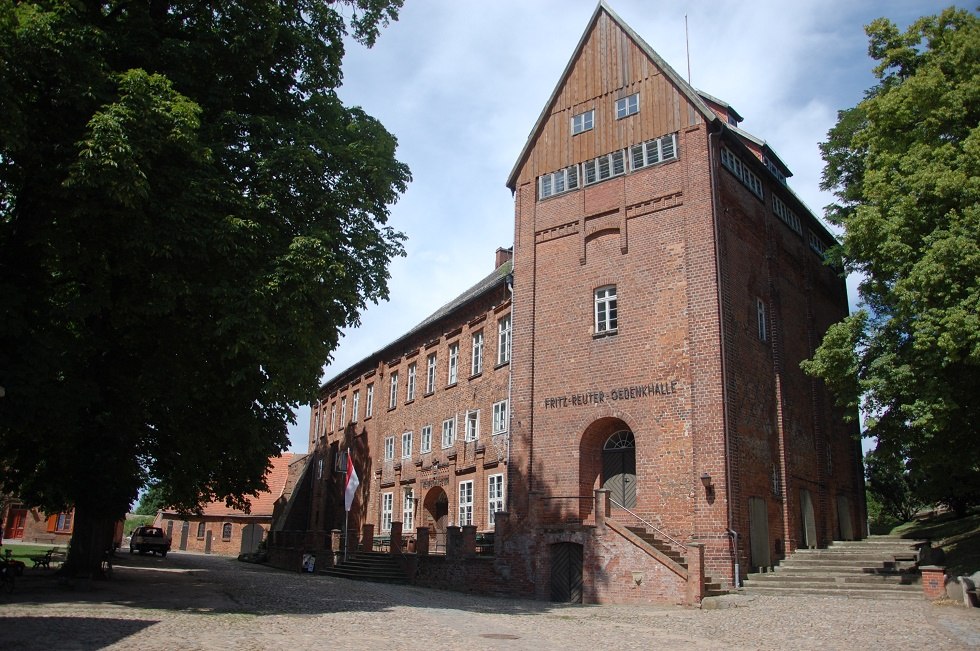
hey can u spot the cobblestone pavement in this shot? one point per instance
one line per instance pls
(188, 602)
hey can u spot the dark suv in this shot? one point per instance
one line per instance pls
(149, 539)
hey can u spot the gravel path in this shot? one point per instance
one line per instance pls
(189, 602)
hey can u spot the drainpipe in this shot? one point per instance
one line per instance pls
(712, 147)
(510, 375)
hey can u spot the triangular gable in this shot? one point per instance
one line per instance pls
(685, 88)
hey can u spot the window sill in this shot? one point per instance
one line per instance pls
(451, 385)
(428, 393)
(410, 401)
(607, 333)
(501, 365)
(475, 375)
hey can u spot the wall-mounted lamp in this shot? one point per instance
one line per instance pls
(709, 489)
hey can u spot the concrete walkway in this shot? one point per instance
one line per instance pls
(189, 602)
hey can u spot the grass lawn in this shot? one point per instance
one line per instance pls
(959, 538)
(23, 553)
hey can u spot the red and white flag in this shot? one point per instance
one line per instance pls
(352, 483)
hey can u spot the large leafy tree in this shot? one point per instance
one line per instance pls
(188, 214)
(905, 167)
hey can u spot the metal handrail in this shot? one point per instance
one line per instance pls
(652, 526)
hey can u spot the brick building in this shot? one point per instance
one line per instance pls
(626, 390)
(219, 529)
(31, 525)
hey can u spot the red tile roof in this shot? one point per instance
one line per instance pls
(261, 505)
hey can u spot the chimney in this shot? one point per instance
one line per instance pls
(503, 255)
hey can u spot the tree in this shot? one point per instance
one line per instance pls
(151, 500)
(904, 165)
(892, 485)
(188, 215)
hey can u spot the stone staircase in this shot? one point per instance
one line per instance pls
(860, 569)
(712, 588)
(378, 567)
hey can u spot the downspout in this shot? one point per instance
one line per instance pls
(510, 374)
(712, 147)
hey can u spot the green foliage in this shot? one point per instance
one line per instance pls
(894, 488)
(151, 501)
(880, 522)
(133, 521)
(904, 165)
(188, 216)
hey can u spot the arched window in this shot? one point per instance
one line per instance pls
(200, 529)
(226, 531)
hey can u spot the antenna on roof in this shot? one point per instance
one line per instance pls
(687, 46)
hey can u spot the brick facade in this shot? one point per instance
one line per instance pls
(689, 411)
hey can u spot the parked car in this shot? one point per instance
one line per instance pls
(149, 539)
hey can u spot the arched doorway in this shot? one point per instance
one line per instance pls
(619, 468)
(436, 507)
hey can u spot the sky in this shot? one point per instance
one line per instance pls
(460, 83)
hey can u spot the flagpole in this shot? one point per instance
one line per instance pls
(346, 537)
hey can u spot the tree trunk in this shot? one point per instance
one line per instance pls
(91, 539)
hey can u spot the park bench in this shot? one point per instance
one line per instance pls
(43, 560)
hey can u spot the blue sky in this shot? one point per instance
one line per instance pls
(460, 83)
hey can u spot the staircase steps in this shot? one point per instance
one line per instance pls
(712, 588)
(377, 567)
(862, 569)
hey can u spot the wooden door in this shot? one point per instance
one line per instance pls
(808, 522)
(619, 468)
(759, 534)
(566, 572)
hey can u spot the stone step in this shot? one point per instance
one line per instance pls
(823, 579)
(856, 593)
(377, 567)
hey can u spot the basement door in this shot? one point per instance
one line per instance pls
(619, 468)
(566, 573)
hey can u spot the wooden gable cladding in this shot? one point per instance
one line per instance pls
(608, 65)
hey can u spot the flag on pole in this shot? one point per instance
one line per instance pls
(352, 483)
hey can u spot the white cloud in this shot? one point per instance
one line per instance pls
(461, 84)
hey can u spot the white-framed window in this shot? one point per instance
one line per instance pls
(430, 374)
(557, 182)
(410, 387)
(408, 510)
(495, 496)
(472, 424)
(369, 401)
(426, 436)
(389, 448)
(741, 171)
(465, 503)
(772, 167)
(449, 432)
(654, 151)
(605, 167)
(387, 500)
(453, 364)
(333, 416)
(406, 445)
(503, 340)
(476, 358)
(583, 122)
(226, 531)
(786, 215)
(500, 417)
(606, 312)
(343, 411)
(760, 316)
(627, 106)
(319, 468)
(355, 406)
(816, 244)
(393, 391)
(340, 462)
